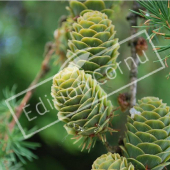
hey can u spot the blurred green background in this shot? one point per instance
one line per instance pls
(25, 28)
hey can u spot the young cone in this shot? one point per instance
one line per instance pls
(112, 162)
(147, 142)
(76, 8)
(93, 47)
(82, 104)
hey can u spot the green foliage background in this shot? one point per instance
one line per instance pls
(25, 27)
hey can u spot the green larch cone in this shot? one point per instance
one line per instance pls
(93, 46)
(82, 104)
(112, 162)
(76, 8)
(62, 34)
(147, 142)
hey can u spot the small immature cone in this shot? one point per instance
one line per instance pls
(112, 162)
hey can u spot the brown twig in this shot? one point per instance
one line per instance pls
(113, 149)
(109, 148)
(49, 50)
(132, 18)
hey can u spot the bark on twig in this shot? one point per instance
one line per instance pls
(112, 149)
(49, 50)
(132, 18)
(109, 148)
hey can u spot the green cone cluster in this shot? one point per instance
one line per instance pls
(82, 104)
(147, 142)
(93, 46)
(112, 162)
